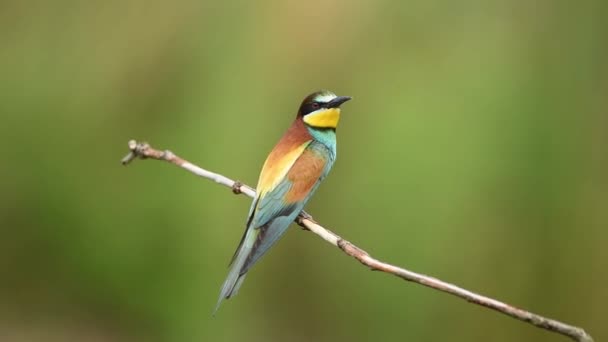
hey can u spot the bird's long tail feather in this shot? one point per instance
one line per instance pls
(235, 276)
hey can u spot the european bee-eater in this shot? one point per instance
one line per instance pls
(291, 174)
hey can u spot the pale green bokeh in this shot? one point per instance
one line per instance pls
(474, 150)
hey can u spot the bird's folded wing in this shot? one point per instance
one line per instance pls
(276, 210)
(271, 185)
(293, 191)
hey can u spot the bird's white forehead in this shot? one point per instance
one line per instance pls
(325, 97)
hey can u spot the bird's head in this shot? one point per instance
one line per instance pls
(322, 109)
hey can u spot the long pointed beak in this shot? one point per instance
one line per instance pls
(335, 103)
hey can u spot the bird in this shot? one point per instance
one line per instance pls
(290, 175)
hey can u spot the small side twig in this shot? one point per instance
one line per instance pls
(144, 150)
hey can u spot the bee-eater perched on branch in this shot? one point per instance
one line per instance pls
(291, 174)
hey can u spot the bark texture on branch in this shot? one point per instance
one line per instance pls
(143, 150)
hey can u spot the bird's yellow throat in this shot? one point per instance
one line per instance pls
(324, 118)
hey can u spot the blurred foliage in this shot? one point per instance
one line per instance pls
(474, 150)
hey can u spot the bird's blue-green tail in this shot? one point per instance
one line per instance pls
(235, 276)
(254, 244)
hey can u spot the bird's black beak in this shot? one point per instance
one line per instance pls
(335, 103)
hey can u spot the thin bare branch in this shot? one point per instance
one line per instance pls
(144, 150)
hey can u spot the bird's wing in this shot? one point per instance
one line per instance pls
(275, 168)
(276, 209)
(271, 185)
(293, 190)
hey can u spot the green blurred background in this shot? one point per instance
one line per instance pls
(474, 151)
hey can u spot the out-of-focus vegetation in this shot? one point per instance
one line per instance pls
(474, 150)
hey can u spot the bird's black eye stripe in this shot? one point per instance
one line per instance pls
(311, 107)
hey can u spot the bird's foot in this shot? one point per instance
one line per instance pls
(304, 216)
